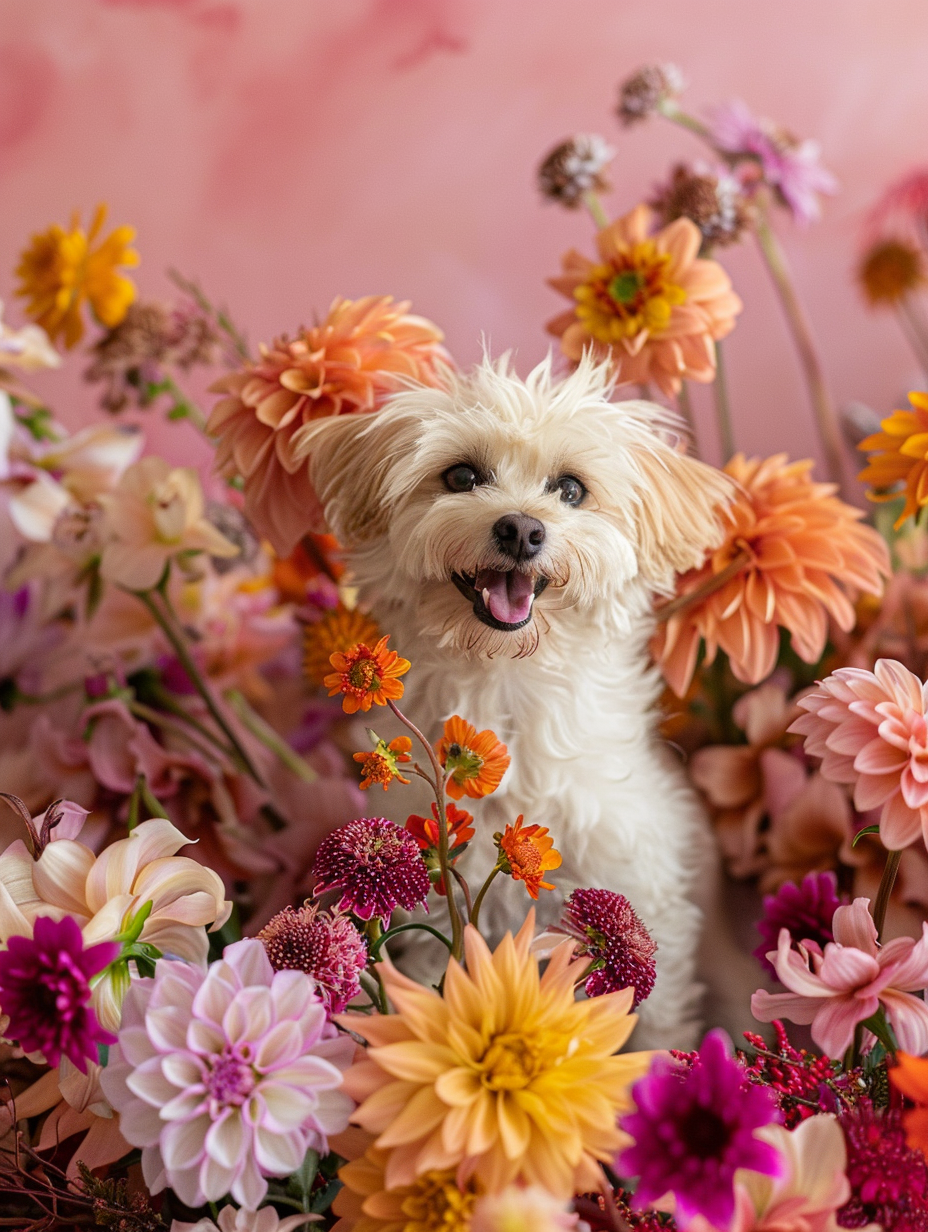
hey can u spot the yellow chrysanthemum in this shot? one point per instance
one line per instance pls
(899, 454)
(432, 1203)
(505, 1076)
(337, 631)
(632, 293)
(60, 270)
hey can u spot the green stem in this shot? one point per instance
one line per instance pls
(723, 407)
(376, 946)
(168, 702)
(481, 894)
(685, 407)
(165, 622)
(890, 869)
(596, 209)
(157, 719)
(829, 431)
(913, 326)
(670, 111)
(221, 317)
(263, 731)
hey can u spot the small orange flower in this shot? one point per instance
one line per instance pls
(474, 761)
(899, 454)
(526, 854)
(336, 632)
(910, 1076)
(366, 676)
(425, 829)
(380, 765)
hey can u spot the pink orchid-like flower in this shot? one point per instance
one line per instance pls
(849, 981)
(871, 729)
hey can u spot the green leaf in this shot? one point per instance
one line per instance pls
(878, 1025)
(866, 830)
(300, 1183)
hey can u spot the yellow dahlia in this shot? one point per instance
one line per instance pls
(362, 351)
(504, 1077)
(62, 269)
(337, 631)
(899, 454)
(649, 302)
(791, 551)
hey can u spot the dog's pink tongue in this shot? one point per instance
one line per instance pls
(508, 596)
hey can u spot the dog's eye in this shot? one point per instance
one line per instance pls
(572, 490)
(460, 478)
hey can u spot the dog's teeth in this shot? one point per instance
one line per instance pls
(486, 595)
(531, 600)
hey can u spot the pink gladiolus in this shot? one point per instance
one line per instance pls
(849, 981)
(871, 729)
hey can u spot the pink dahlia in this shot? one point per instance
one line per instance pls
(376, 865)
(227, 1076)
(871, 729)
(849, 981)
(324, 944)
(612, 935)
(45, 992)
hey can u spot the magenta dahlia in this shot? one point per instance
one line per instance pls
(889, 1180)
(693, 1128)
(611, 933)
(805, 910)
(324, 944)
(45, 991)
(375, 864)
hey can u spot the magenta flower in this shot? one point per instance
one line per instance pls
(45, 992)
(610, 932)
(227, 1076)
(377, 866)
(848, 982)
(324, 944)
(806, 910)
(693, 1129)
(787, 165)
(888, 1178)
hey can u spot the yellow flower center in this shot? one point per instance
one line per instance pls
(363, 675)
(510, 1063)
(628, 294)
(435, 1204)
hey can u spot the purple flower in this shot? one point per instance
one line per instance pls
(611, 933)
(45, 990)
(324, 944)
(377, 866)
(888, 1178)
(806, 910)
(789, 166)
(693, 1128)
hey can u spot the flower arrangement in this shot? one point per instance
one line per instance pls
(204, 1019)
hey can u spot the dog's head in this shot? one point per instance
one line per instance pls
(496, 507)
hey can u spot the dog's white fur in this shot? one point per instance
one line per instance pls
(573, 692)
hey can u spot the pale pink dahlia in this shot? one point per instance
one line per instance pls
(227, 1076)
(871, 729)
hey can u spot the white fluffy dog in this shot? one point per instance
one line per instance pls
(511, 535)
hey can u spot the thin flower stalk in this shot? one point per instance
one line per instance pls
(685, 407)
(481, 893)
(887, 881)
(263, 731)
(596, 209)
(723, 407)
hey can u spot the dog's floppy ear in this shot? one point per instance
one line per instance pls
(680, 511)
(349, 458)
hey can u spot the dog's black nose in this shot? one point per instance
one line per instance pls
(519, 536)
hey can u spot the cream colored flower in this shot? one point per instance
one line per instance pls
(29, 348)
(522, 1209)
(155, 514)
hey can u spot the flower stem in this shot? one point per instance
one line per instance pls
(478, 901)
(829, 430)
(157, 719)
(685, 407)
(454, 915)
(595, 209)
(890, 869)
(913, 326)
(404, 928)
(723, 407)
(670, 111)
(263, 731)
(165, 622)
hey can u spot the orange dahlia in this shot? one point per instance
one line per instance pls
(527, 853)
(381, 765)
(475, 762)
(899, 455)
(366, 676)
(791, 550)
(649, 302)
(335, 633)
(361, 352)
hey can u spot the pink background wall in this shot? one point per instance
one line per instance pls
(285, 151)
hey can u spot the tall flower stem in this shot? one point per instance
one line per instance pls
(478, 901)
(890, 869)
(685, 407)
(829, 430)
(263, 731)
(723, 406)
(595, 209)
(913, 326)
(165, 621)
(454, 915)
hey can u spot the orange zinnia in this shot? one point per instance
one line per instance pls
(910, 1076)
(475, 762)
(529, 854)
(899, 454)
(366, 676)
(425, 829)
(380, 765)
(791, 549)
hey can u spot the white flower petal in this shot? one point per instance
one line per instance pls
(228, 1139)
(182, 1142)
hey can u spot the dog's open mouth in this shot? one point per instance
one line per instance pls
(501, 599)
